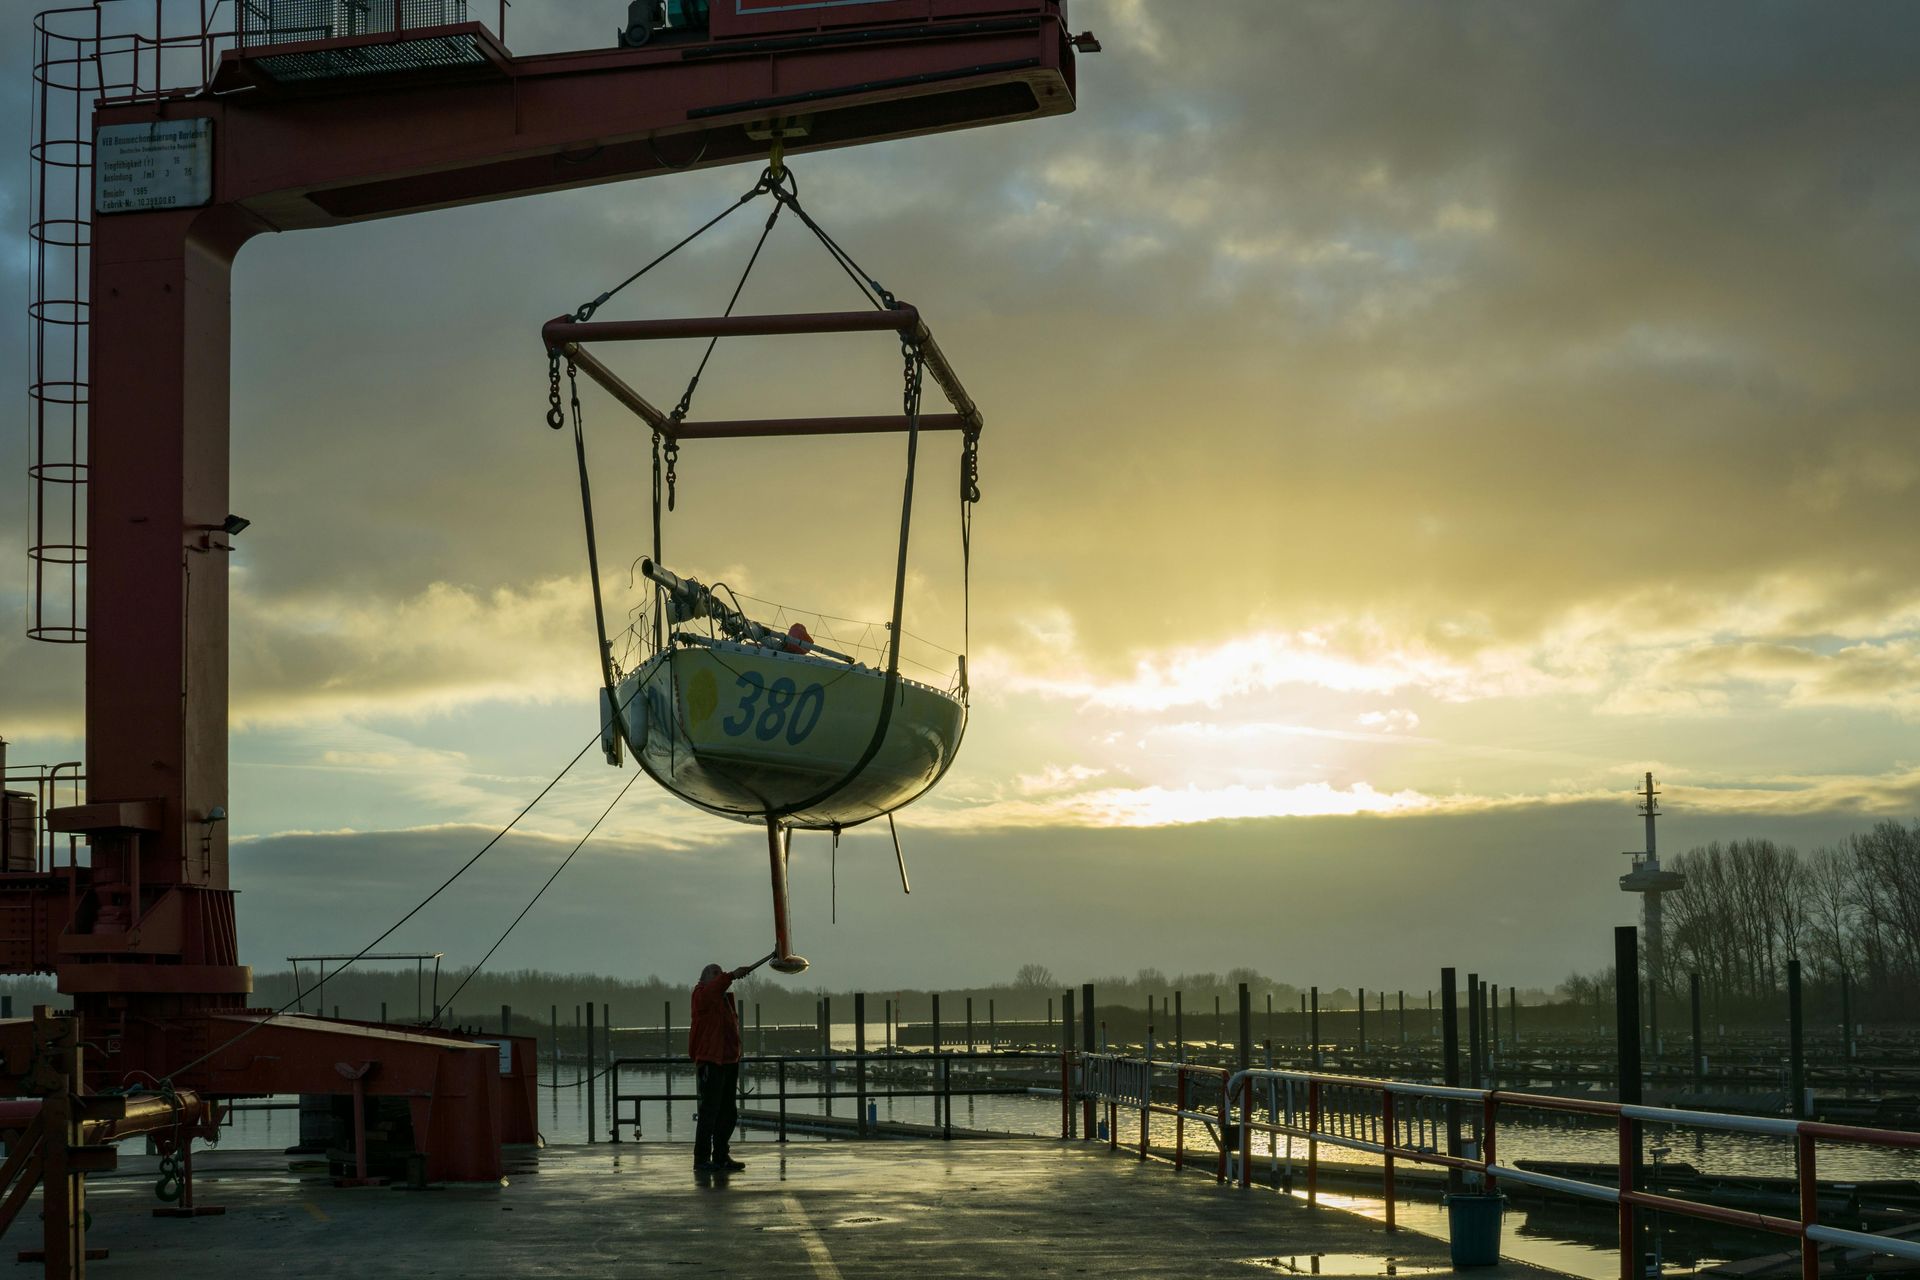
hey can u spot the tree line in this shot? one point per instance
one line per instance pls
(1849, 912)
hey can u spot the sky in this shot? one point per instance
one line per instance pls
(1406, 425)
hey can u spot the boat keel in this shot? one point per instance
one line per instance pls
(779, 841)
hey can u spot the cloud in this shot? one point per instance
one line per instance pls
(1874, 675)
(327, 655)
(1154, 806)
(1055, 778)
(1351, 657)
(1339, 362)
(1890, 794)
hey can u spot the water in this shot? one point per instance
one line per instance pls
(562, 1113)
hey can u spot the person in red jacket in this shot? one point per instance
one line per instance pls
(713, 1042)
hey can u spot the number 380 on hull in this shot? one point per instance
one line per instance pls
(751, 733)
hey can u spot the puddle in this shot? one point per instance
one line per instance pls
(1346, 1264)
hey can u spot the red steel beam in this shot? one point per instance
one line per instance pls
(313, 155)
(849, 426)
(654, 417)
(614, 385)
(945, 378)
(562, 330)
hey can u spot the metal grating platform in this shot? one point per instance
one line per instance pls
(383, 57)
(295, 41)
(271, 22)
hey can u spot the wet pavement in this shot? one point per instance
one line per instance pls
(1014, 1207)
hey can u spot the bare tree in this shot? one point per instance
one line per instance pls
(1034, 977)
(1831, 914)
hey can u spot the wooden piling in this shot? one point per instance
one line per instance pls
(1313, 1029)
(1699, 1064)
(860, 1061)
(590, 1059)
(1473, 1031)
(1246, 1028)
(1796, 1045)
(1086, 1045)
(1627, 1032)
(1450, 1067)
(1066, 1050)
(1846, 1015)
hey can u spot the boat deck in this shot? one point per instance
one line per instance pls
(1015, 1207)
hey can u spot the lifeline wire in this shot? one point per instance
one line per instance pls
(448, 1003)
(586, 311)
(686, 397)
(392, 929)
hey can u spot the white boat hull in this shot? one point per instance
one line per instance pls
(749, 733)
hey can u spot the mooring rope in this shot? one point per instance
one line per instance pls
(464, 867)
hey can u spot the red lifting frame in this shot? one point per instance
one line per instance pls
(569, 337)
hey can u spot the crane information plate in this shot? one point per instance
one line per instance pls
(164, 165)
(506, 1053)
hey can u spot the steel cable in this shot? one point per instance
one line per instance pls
(580, 844)
(395, 926)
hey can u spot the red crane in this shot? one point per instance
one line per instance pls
(282, 130)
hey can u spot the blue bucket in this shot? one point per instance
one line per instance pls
(1473, 1228)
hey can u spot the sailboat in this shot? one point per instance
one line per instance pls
(745, 721)
(731, 714)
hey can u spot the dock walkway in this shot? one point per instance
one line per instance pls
(818, 1209)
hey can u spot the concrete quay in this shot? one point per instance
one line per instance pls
(822, 1210)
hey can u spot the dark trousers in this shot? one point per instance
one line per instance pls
(719, 1086)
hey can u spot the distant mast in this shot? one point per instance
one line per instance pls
(1648, 880)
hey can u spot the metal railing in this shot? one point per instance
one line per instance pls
(1199, 1097)
(51, 786)
(144, 50)
(1401, 1121)
(872, 1077)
